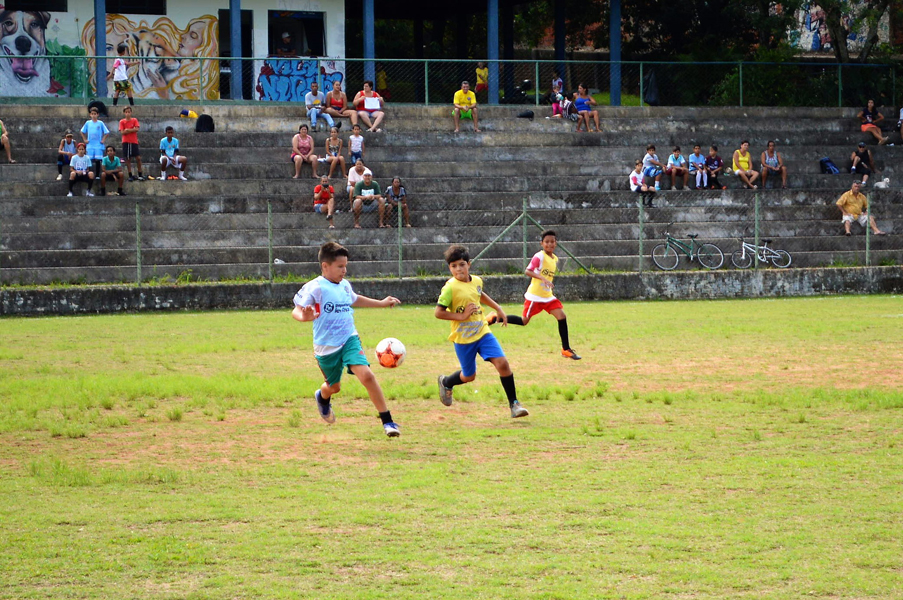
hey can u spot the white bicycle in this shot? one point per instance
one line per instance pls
(744, 257)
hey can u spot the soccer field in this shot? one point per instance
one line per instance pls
(722, 449)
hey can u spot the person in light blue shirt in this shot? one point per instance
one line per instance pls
(170, 156)
(677, 166)
(94, 134)
(329, 302)
(697, 168)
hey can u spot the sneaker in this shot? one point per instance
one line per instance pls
(852, 169)
(324, 410)
(132, 177)
(338, 125)
(445, 394)
(570, 354)
(518, 411)
(102, 192)
(182, 177)
(89, 193)
(492, 319)
(69, 195)
(392, 429)
(121, 192)
(59, 177)
(143, 178)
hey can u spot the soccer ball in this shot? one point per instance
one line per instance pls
(390, 353)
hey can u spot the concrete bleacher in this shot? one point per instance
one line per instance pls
(462, 188)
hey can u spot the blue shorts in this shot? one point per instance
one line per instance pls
(487, 347)
(652, 171)
(356, 156)
(369, 207)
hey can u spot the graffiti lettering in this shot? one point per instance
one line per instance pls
(288, 80)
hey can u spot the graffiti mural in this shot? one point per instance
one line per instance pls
(812, 34)
(166, 69)
(24, 68)
(289, 79)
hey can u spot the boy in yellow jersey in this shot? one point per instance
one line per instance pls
(539, 297)
(459, 302)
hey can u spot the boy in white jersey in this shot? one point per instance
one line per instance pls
(120, 75)
(459, 302)
(539, 297)
(329, 302)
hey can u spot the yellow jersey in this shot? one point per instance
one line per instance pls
(546, 265)
(742, 162)
(466, 100)
(455, 296)
(482, 75)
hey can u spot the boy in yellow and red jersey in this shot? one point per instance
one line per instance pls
(539, 297)
(460, 302)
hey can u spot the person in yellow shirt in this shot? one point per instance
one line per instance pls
(465, 107)
(743, 166)
(853, 205)
(539, 296)
(461, 302)
(482, 78)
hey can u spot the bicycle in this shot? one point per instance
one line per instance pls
(666, 256)
(743, 258)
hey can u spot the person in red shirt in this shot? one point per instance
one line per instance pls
(129, 126)
(324, 196)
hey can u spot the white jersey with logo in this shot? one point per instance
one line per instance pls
(336, 321)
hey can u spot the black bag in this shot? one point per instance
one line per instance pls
(100, 106)
(527, 114)
(204, 124)
(828, 167)
(650, 93)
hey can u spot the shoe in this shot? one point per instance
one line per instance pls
(518, 411)
(143, 178)
(570, 354)
(89, 193)
(853, 170)
(324, 410)
(392, 429)
(121, 192)
(132, 177)
(102, 192)
(59, 177)
(445, 394)
(182, 177)
(492, 319)
(338, 125)
(69, 195)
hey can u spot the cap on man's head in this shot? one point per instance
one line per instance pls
(286, 35)
(862, 144)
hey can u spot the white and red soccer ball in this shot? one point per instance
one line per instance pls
(390, 353)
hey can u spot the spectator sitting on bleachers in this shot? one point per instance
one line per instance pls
(652, 168)
(337, 104)
(697, 167)
(171, 156)
(355, 174)
(111, 168)
(65, 153)
(333, 154)
(368, 196)
(584, 103)
(714, 166)
(742, 165)
(638, 184)
(862, 162)
(303, 152)
(772, 162)
(396, 195)
(80, 171)
(465, 107)
(853, 206)
(316, 102)
(324, 197)
(375, 111)
(870, 117)
(677, 167)
(4, 142)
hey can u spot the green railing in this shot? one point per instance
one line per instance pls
(435, 81)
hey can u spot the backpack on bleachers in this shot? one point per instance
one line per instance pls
(100, 106)
(204, 124)
(569, 110)
(828, 167)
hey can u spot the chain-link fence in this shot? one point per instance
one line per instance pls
(278, 79)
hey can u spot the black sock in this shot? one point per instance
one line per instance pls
(131, 101)
(385, 417)
(59, 167)
(452, 380)
(563, 332)
(90, 184)
(515, 321)
(120, 190)
(140, 173)
(97, 170)
(508, 385)
(325, 399)
(115, 100)
(71, 185)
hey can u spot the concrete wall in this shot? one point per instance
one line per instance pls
(424, 291)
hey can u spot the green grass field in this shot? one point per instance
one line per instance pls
(728, 449)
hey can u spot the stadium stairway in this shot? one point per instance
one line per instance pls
(462, 187)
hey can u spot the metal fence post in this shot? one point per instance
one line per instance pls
(893, 84)
(426, 83)
(524, 229)
(319, 75)
(640, 220)
(138, 242)
(868, 231)
(200, 79)
(741, 83)
(756, 229)
(641, 84)
(536, 76)
(399, 210)
(839, 86)
(270, 239)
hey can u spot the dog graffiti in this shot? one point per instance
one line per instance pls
(23, 69)
(288, 80)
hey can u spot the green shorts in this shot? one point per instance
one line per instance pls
(331, 365)
(122, 86)
(465, 114)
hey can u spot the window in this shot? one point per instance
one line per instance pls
(136, 7)
(38, 5)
